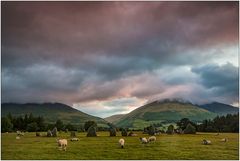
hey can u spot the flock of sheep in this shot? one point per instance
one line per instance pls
(62, 143)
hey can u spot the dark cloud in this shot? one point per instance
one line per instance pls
(83, 51)
(221, 80)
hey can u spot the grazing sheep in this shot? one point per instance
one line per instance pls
(216, 134)
(74, 139)
(152, 139)
(224, 140)
(121, 142)
(206, 142)
(62, 143)
(143, 140)
(17, 137)
(132, 134)
(157, 133)
(19, 133)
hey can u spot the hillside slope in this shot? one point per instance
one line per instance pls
(220, 108)
(163, 111)
(51, 112)
(114, 118)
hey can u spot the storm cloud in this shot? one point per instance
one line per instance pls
(81, 53)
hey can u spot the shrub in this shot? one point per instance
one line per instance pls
(190, 129)
(88, 124)
(32, 127)
(6, 124)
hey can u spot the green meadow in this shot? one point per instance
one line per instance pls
(104, 147)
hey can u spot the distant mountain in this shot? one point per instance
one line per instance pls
(163, 111)
(114, 118)
(220, 108)
(51, 112)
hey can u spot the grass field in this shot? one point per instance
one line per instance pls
(173, 147)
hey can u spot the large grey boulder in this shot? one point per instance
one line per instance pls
(49, 133)
(54, 132)
(92, 131)
(112, 132)
(124, 132)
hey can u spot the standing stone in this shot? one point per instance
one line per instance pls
(73, 134)
(38, 134)
(170, 129)
(151, 130)
(54, 132)
(112, 132)
(49, 133)
(92, 131)
(124, 132)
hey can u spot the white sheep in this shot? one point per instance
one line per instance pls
(121, 142)
(152, 139)
(134, 135)
(62, 143)
(157, 133)
(224, 140)
(19, 133)
(206, 142)
(74, 139)
(17, 137)
(143, 140)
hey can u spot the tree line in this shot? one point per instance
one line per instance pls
(31, 123)
(228, 123)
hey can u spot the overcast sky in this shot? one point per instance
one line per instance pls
(106, 58)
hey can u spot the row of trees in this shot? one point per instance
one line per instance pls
(228, 123)
(26, 123)
(32, 124)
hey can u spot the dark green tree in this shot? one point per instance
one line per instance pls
(70, 127)
(151, 130)
(41, 123)
(182, 124)
(190, 129)
(6, 124)
(59, 124)
(89, 124)
(32, 127)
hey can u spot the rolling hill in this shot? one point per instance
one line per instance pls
(51, 112)
(220, 108)
(163, 111)
(114, 118)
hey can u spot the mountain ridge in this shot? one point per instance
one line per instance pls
(164, 110)
(51, 112)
